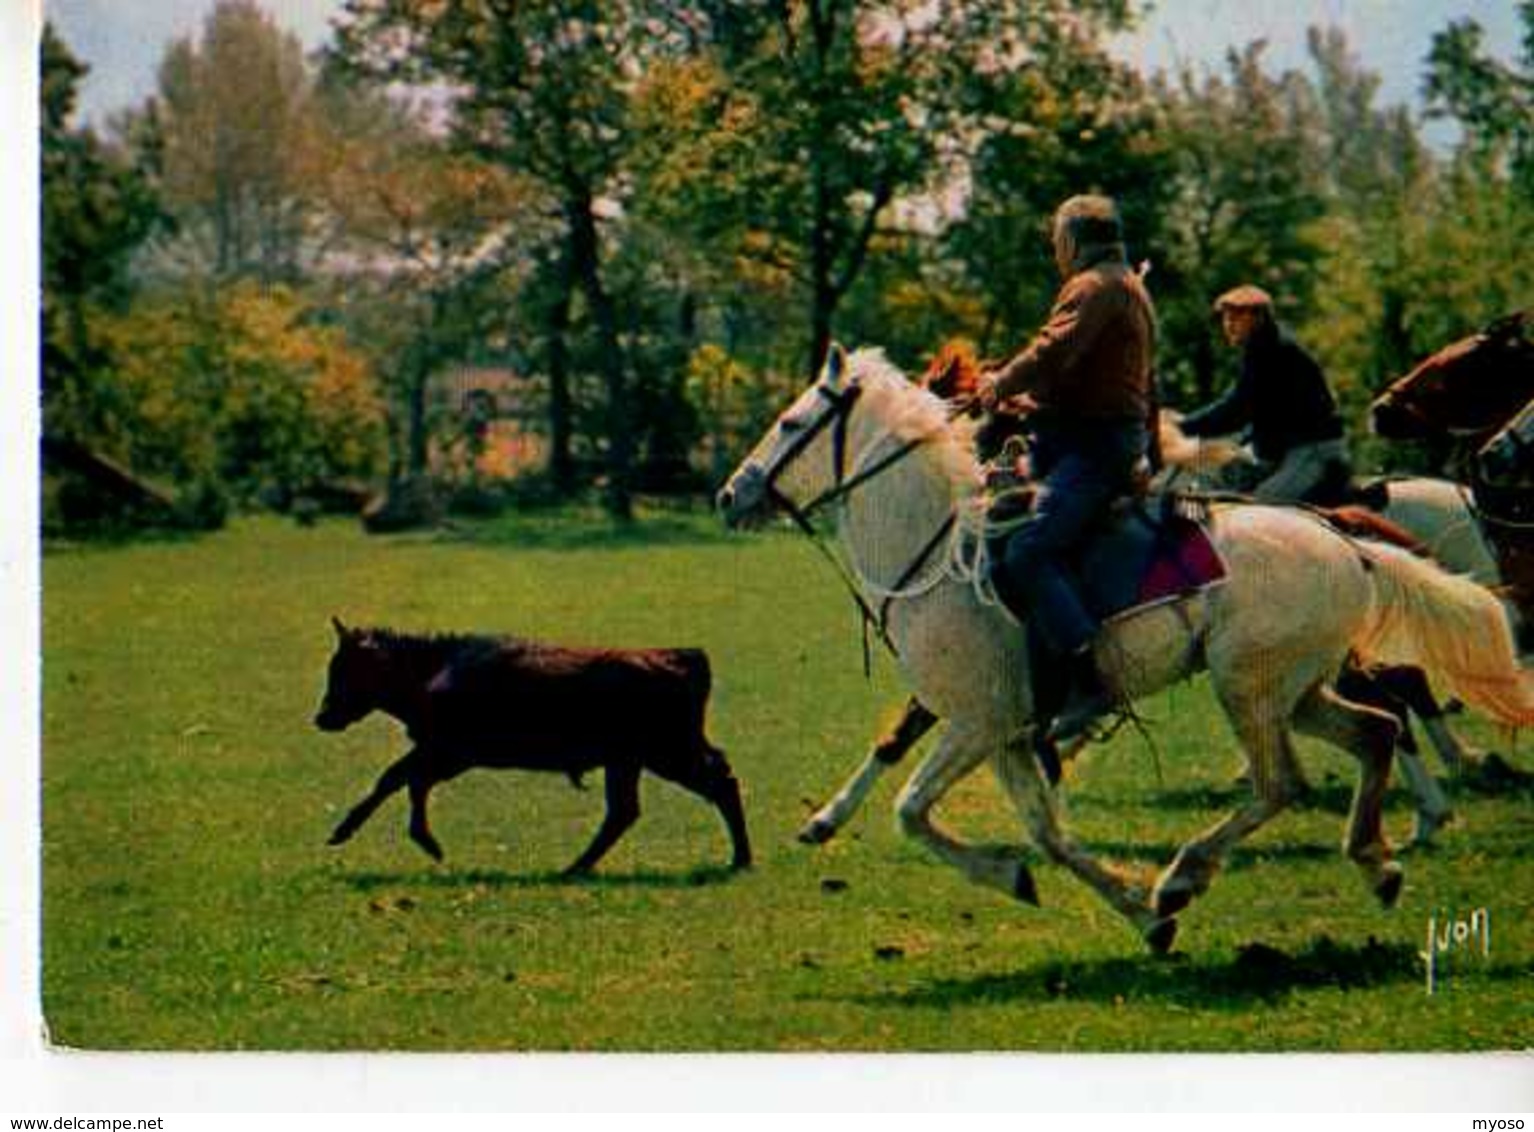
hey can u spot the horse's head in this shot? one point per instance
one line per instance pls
(803, 453)
(356, 681)
(1467, 389)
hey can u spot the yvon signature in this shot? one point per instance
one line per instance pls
(1455, 933)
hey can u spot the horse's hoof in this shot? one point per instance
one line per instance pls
(1023, 887)
(1161, 935)
(817, 832)
(1169, 903)
(1388, 888)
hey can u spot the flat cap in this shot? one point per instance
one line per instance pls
(1244, 298)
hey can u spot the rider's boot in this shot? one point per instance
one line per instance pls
(1088, 699)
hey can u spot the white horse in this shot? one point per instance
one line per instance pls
(1441, 516)
(1298, 598)
(1434, 512)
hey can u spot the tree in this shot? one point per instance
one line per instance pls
(835, 116)
(242, 391)
(543, 89)
(243, 140)
(1071, 120)
(98, 208)
(1244, 200)
(1376, 177)
(426, 236)
(1492, 101)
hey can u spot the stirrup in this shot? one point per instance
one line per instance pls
(1079, 717)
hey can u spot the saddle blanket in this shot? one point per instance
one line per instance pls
(1144, 554)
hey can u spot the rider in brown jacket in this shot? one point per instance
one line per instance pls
(1089, 373)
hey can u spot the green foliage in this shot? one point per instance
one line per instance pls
(733, 403)
(239, 389)
(1492, 101)
(1069, 121)
(1245, 194)
(598, 195)
(98, 207)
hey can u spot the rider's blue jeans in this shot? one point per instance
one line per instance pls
(1084, 467)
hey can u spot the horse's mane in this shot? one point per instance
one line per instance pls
(913, 413)
(954, 371)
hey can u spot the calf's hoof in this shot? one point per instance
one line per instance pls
(339, 837)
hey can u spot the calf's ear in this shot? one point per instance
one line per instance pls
(341, 629)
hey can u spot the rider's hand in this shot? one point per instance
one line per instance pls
(985, 391)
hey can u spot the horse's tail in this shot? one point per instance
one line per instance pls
(1454, 628)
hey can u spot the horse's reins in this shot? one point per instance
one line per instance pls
(838, 416)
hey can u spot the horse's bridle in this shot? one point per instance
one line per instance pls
(838, 417)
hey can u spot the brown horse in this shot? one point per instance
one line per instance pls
(1464, 392)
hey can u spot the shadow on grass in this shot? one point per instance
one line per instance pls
(702, 876)
(1241, 858)
(85, 542)
(1257, 975)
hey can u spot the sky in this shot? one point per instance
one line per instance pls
(123, 40)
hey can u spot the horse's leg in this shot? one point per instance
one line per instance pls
(1400, 691)
(1261, 726)
(915, 721)
(957, 754)
(1433, 809)
(1019, 774)
(1411, 687)
(708, 775)
(622, 786)
(394, 778)
(1368, 734)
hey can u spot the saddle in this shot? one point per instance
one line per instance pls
(1148, 550)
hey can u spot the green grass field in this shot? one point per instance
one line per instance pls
(190, 900)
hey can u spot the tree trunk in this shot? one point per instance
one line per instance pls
(417, 449)
(561, 409)
(822, 288)
(586, 263)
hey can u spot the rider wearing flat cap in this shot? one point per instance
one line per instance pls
(1282, 397)
(1089, 374)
